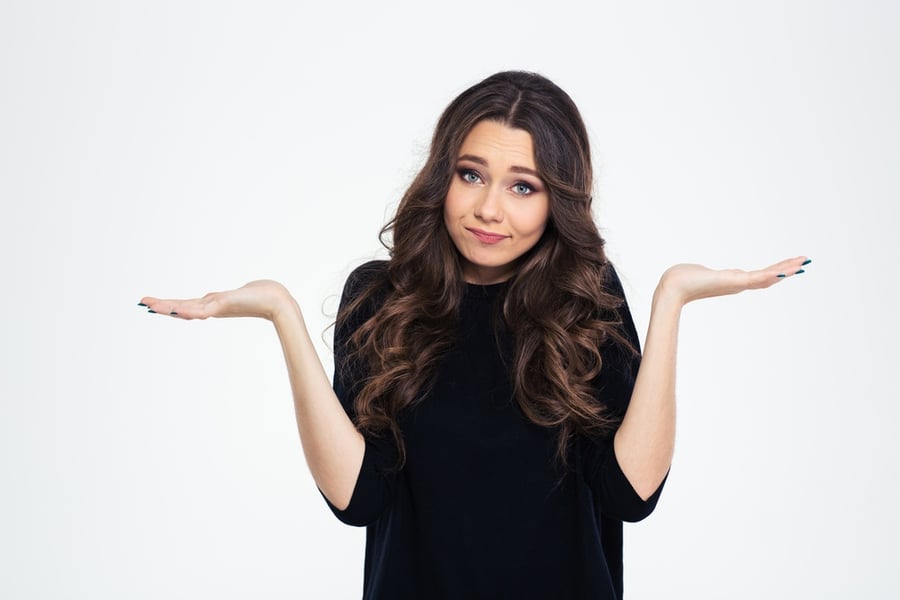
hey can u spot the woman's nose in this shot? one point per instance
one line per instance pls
(490, 206)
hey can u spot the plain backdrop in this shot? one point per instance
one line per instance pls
(175, 148)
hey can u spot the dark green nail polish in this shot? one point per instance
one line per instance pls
(173, 313)
(806, 262)
(141, 304)
(800, 271)
(781, 275)
(151, 311)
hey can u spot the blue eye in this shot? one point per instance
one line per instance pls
(522, 189)
(469, 176)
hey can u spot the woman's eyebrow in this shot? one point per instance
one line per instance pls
(524, 170)
(483, 162)
(474, 159)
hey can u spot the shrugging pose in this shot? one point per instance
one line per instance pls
(491, 420)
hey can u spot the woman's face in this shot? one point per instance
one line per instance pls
(497, 207)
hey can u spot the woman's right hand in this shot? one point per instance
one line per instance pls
(264, 299)
(334, 449)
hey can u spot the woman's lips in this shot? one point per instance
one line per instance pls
(486, 237)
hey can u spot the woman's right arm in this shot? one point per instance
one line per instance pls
(332, 445)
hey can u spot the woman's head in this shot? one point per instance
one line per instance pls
(520, 101)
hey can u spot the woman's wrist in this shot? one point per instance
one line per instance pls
(668, 295)
(283, 307)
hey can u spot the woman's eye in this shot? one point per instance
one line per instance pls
(522, 189)
(469, 176)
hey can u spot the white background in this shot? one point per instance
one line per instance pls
(175, 148)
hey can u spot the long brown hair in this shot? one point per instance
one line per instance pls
(556, 306)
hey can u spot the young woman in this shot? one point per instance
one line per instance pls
(491, 421)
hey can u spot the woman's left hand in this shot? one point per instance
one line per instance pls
(646, 438)
(685, 283)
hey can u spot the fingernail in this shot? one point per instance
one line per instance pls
(800, 271)
(781, 275)
(173, 313)
(806, 262)
(141, 304)
(150, 310)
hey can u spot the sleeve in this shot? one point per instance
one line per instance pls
(613, 493)
(376, 481)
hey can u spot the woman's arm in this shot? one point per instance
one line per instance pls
(331, 443)
(645, 440)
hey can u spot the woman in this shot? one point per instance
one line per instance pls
(491, 421)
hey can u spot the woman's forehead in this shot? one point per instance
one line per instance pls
(492, 141)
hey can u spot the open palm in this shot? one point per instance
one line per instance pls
(693, 282)
(262, 299)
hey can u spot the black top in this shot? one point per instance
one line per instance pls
(482, 508)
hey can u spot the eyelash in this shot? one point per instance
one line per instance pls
(464, 173)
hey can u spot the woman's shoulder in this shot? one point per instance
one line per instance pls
(368, 271)
(612, 285)
(364, 276)
(364, 292)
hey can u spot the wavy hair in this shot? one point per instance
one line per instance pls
(556, 306)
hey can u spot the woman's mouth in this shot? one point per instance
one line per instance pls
(486, 237)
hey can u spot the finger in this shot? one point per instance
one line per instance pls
(792, 266)
(780, 271)
(163, 306)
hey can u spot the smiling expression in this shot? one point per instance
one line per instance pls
(497, 207)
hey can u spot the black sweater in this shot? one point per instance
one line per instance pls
(481, 508)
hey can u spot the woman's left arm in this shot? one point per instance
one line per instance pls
(645, 440)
